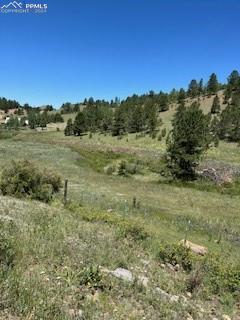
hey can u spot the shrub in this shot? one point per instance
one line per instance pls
(126, 227)
(131, 168)
(176, 254)
(91, 277)
(133, 229)
(220, 275)
(109, 170)
(121, 168)
(24, 179)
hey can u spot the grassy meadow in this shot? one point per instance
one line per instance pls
(113, 221)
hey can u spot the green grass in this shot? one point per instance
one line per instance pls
(103, 228)
(82, 163)
(55, 258)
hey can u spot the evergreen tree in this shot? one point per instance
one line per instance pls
(119, 123)
(212, 85)
(189, 138)
(106, 119)
(79, 124)
(151, 117)
(216, 108)
(201, 87)
(181, 96)
(32, 119)
(233, 81)
(163, 102)
(229, 126)
(136, 119)
(57, 118)
(214, 129)
(43, 121)
(13, 123)
(193, 89)
(69, 128)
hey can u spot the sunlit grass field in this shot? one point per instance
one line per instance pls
(101, 225)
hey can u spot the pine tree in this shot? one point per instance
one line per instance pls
(201, 87)
(233, 81)
(214, 129)
(181, 96)
(229, 126)
(216, 108)
(212, 85)
(119, 125)
(136, 119)
(69, 128)
(189, 138)
(193, 89)
(79, 124)
(32, 120)
(163, 102)
(151, 117)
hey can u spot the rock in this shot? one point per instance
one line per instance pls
(174, 298)
(123, 274)
(162, 265)
(143, 280)
(170, 266)
(163, 293)
(166, 296)
(189, 295)
(226, 317)
(195, 248)
(189, 317)
(75, 314)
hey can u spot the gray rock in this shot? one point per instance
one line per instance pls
(123, 274)
(166, 296)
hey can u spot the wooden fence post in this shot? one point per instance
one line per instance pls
(65, 192)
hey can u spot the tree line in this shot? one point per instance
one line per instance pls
(34, 120)
(193, 132)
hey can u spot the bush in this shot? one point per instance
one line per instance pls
(91, 277)
(23, 179)
(126, 227)
(221, 275)
(121, 168)
(176, 254)
(109, 170)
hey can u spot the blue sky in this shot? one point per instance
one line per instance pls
(108, 48)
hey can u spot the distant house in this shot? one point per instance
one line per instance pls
(6, 119)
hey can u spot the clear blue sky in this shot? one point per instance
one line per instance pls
(108, 48)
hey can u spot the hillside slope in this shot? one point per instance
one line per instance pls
(60, 268)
